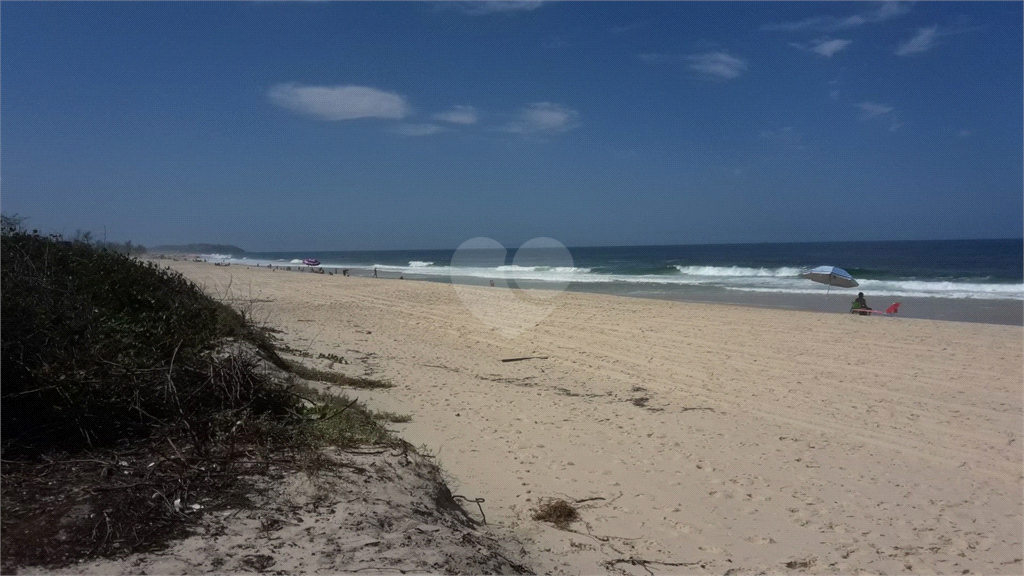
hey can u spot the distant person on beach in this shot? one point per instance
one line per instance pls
(374, 272)
(860, 305)
(344, 271)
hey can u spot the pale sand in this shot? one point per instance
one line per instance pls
(716, 437)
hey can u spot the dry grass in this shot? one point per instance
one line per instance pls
(556, 511)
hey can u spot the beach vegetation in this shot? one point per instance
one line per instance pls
(556, 511)
(337, 420)
(318, 375)
(333, 358)
(99, 347)
(132, 400)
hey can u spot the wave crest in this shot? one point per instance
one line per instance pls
(733, 271)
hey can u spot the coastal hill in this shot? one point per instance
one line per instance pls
(197, 249)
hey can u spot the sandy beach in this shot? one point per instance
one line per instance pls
(693, 438)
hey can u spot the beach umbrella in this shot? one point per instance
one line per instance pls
(830, 276)
(311, 262)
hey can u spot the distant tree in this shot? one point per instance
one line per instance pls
(126, 248)
(83, 237)
(13, 224)
(10, 223)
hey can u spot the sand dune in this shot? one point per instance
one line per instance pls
(700, 438)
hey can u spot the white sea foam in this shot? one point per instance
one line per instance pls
(737, 271)
(516, 269)
(907, 289)
(782, 280)
(220, 257)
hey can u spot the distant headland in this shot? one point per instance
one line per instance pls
(197, 249)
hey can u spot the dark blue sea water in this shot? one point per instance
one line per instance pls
(971, 269)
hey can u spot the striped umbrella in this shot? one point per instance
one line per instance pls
(830, 276)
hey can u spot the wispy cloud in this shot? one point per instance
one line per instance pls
(829, 47)
(544, 118)
(871, 110)
(712, 65)
(458, 115)
(923, 41)
(823, 46)
(480, 8)
(717, 65)
(885, 11)
(418, 129)
(882, 112)
(338, 102)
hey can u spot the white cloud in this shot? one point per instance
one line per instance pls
(477, 7)
(717, 65)
(338, 102)
(823, 46)
(419, 129)
(829, 47)
(873, 110)
(458, 115)
(544, 117)
(922, 42)
(885, 11)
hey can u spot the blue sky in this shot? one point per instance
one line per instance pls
(388, 125)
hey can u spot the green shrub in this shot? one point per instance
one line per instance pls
(122, 380)
(98, 346)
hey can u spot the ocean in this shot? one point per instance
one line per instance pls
(756, 274)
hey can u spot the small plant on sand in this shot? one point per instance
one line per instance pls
(335, 420)
(317, 375)
(556, 511)
(333, 358)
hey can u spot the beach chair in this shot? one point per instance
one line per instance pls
(895, 308)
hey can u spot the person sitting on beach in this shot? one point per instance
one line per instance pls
(860, 305)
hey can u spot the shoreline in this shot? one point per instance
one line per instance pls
(696, 437)
(984, 311)
(1001, 312)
